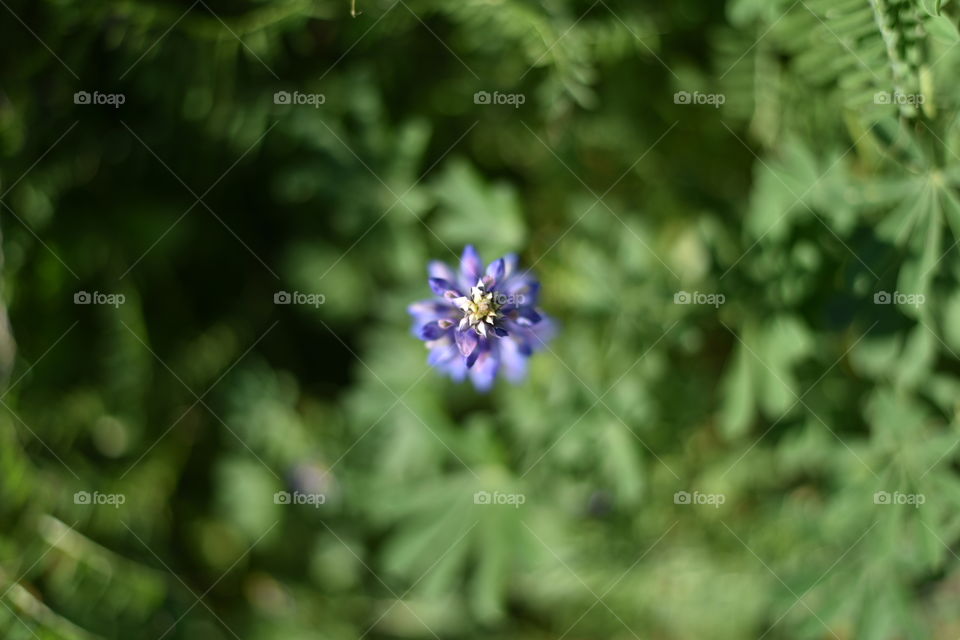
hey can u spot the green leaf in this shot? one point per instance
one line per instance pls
(951, 321)
(931, 6)
(622, 463)
(471, 209)
(737, 401)
(917, 357)
(785, 341)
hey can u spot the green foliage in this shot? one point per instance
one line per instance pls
(810, 417)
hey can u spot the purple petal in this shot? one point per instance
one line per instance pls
(522, 337)
(456, 369)
(441, 286)
(447, 358)
(528, 316)
(495, 272)
(472, 358)
(520, 290)
(484, 347)
(510, 262)
(484, 371)
(471, 267)
(513, 360)
(441, 353)
(431, 331)
(438, 269)
(529, 338)
(500, 331)
(467, 341)
(543, 330)
(524, 347)
(427, 310)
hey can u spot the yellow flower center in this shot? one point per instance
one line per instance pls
(480, 309)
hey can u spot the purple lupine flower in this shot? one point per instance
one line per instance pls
(481, 320)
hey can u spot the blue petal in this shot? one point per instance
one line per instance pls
(456, 369)
(441, 286)
(521, 290)
(471, 267)
(528, 338)
(510, 262)
(467, 341)
(495, 271)
(484, 348)
(528, 316)
(513, 360)
(440, 355)
(438, 269)
(447, 358)
(472, 358)
(500, 331)
(484, 371)
(521, 337)
(544, 330)
(431, 331)
(427, 310)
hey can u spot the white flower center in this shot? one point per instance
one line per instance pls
(479, 309)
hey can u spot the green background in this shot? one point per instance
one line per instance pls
(813, 425)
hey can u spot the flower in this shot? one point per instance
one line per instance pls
(481, 319)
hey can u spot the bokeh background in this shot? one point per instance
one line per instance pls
(744, 216)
